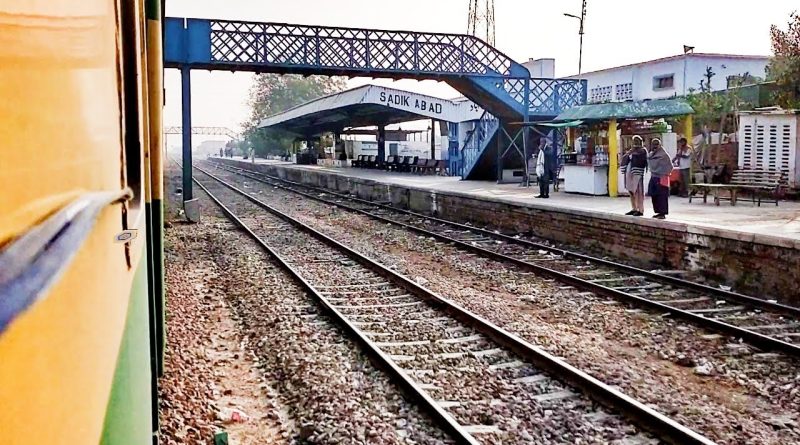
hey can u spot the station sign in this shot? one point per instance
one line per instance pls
(441, 109)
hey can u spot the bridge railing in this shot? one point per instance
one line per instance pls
(204, 131)
(472, 66)
(477, 141)
(354, 48)
(549, 97)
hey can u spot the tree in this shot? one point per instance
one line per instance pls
(784, 67)
(718, 110)
(271, 94)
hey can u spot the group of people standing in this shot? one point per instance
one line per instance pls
(634, 163)
(638, 160)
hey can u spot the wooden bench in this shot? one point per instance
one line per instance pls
(763, 185)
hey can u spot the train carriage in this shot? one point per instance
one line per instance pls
(81, 287)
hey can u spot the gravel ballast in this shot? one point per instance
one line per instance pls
(713, 384)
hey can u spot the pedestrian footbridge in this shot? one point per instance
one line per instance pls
(485, 75)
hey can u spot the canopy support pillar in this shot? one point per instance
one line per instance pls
(190, 205)
(381, 144)
(613, 159)
(688, 133)
(433, 139)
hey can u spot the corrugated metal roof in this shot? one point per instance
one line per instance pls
(627, 110)
(372, 99)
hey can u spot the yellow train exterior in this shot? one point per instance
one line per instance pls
(81, 264)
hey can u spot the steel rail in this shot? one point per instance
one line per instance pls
(760, 340)
(643, 416)
(721, 293)
(378, 357)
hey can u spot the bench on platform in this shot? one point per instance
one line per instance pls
(391, 163)
(429, 167)
(762, 185)
(407, 162)
(419, 165)
(440, 168)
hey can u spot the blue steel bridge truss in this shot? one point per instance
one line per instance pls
(482, 73)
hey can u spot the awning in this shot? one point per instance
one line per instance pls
(627, 110)
(568, 124)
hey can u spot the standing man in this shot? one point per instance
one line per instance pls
(545, 167)
(683, 160)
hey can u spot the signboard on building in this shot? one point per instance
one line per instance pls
(435, 108)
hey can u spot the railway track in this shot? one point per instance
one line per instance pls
(479, 382)
(765, 324)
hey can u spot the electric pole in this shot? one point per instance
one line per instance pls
(582, 19)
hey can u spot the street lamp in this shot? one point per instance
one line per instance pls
(582, 19)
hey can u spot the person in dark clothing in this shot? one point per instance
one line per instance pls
(660, 168)
(545, 167)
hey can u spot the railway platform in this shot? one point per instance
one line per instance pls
(761, 223)
(748, 247)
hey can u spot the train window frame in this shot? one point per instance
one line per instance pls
(131, 103)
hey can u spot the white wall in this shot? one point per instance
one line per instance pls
(541, 68)
(642, 76)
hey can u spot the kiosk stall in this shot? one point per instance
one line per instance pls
(599, 134)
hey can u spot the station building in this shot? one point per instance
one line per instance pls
(669, 76)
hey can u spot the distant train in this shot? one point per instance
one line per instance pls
(81, 246)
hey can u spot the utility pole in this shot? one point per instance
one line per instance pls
(582, 19)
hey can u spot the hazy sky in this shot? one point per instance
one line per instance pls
(617, 32)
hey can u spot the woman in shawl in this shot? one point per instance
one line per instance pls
(634, 164)
(660, 168)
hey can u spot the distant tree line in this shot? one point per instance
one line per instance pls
(271, 94)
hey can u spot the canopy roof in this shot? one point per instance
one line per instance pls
(627, 110)
(368, 105)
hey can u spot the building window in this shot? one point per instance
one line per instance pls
(623, 92)
(600, 94)
(664, 82)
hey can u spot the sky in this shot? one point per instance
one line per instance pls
(617, 32)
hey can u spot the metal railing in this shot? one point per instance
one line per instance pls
(477, 141)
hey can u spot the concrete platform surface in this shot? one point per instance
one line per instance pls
(768, 220)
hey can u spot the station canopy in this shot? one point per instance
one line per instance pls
(626, 110)
(369, 105)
